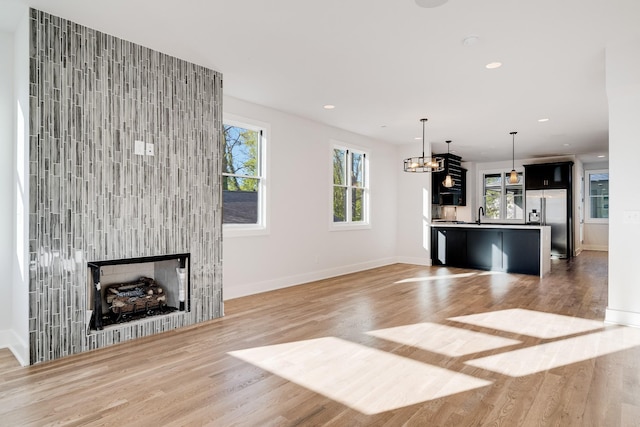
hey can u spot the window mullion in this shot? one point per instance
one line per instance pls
(503, 199)
(349, 185)
(242, 176)
(260, 153)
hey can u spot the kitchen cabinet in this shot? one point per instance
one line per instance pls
(548, 176)
(456, 195)
(452, 246)
(486, 247)
(519, 247)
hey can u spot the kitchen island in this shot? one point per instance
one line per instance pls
(512, 248)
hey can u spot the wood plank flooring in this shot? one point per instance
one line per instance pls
(397, 345)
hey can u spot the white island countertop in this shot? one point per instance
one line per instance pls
(488, 225)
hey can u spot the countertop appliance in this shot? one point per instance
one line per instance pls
(549, 207)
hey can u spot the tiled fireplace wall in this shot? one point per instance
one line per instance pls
(91, 198)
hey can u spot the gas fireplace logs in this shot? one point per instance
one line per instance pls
(142, 295)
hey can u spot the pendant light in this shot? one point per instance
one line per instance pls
(514, 178)
(448, 181)
(423, 164)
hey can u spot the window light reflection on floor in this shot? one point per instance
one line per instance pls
(372, 381)
(529, 322)
(539, 358)
(442, 339)
(365, 379)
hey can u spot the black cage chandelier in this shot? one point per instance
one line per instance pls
(423, 164)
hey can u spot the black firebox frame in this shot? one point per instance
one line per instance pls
(96, 316)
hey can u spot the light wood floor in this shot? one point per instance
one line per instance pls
(398, 345)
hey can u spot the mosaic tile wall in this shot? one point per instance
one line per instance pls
(91, 198)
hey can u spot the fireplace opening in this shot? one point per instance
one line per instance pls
(131, 289)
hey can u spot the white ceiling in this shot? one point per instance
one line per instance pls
(385, 64)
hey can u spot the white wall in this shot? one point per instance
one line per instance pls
(21, 181)
(299, 246)
(623, 92)
(14, 92)
(413, 210)
(6, 187)
(596, 237)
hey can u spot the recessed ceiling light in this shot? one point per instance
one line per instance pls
(418, 138)
(543, 120)
(601, 156)
(329, 107)
(566, 145)
(430, 3)
(492, 65)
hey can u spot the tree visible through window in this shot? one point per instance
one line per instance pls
(350, 196)
(492, 196)
(502, 200)
(242, 175)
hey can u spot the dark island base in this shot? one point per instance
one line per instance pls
(493, 249)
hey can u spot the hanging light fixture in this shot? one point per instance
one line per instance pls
(514, 178)
(423, 164)
(448, 181)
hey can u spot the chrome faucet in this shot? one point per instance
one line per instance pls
(480, 215)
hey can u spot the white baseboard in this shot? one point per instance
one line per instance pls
(238, 291)
(604, 248)
(9, 339)
(621, 317)
(426, 261)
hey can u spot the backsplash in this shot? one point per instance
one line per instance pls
(92, 198)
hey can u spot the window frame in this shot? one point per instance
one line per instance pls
(587, 202)
(349, 224)
(504, 185)
(262, 226)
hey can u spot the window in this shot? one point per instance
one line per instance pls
(350, 186)
(502, 200)
(243, 178)
(598, 200)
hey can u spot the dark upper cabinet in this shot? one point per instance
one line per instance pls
(547, 175)
(456, 195)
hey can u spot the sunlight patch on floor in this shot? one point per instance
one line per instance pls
(365, 379)
(555, 354)
(442, 339)
(430, 278)
(533, 323)
(492, 273)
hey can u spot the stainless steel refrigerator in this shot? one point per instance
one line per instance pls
(550, 207)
